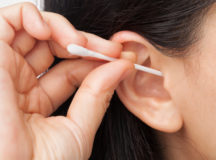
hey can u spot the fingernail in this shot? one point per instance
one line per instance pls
(129, 55)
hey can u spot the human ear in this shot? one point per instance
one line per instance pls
(144, 94)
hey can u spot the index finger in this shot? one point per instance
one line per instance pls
(53, 27)
(94, 43)
(39, 25)
(22, 16)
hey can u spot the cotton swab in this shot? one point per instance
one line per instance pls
(83, 52)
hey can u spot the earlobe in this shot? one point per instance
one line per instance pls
(144, 94)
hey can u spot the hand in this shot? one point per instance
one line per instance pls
(28, 44)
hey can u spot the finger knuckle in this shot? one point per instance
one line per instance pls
(28, 5)
(72, 79)
(6, 55)
(55, 15)
(7, 32)
(91, 90)
(3, 45)
(78, 37)
(82, 39)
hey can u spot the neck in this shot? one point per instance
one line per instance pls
(177, 146)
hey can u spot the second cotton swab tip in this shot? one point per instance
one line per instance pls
(83, 52)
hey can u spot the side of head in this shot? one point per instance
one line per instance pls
(175, 37)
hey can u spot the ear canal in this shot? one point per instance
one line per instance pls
(148, 85)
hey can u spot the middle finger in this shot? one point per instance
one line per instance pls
(63, 79)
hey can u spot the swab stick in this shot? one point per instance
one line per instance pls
(83, 52)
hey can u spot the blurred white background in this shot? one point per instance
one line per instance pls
(38, 3)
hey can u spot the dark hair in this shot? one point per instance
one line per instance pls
(170, 25)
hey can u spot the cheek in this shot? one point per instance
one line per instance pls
(195, 96)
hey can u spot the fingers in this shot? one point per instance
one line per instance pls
(92, 99)
(95, 43)
(7, 32)
(63, 79)
(12, 124)
(31, 24)
(59, 51)
(129, 56)
(40, 58)
(8, 94)
(106, 47)
(8, 98)
(24, 16)
(23, 42)
(62, 31)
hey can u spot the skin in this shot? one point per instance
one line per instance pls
(180, 106)
(29, 40)
(197, 103)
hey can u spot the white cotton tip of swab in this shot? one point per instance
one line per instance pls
(83, 52)
(77, 50)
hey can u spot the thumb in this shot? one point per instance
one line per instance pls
(92, 99)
